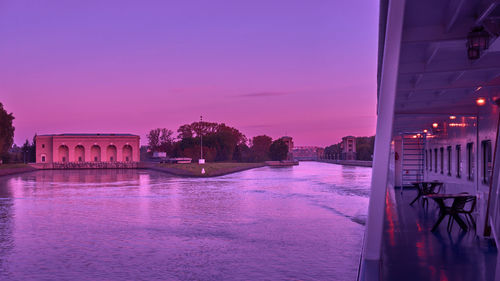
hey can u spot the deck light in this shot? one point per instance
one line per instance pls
(414, 136)
(481, 101)
(425, 131)
(453, 117)
(435, 125)
(478, 40)
(478, 88)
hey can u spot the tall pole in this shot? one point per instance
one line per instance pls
(201, 138)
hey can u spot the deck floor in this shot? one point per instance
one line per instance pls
(412, 252)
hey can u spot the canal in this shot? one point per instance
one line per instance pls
(296, 223)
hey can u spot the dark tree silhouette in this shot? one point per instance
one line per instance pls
(6, 133)
(278, 150)
(260, 148)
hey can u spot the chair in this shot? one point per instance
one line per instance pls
(468, 213)
(458, 207)
(426, 188)
(431, 189)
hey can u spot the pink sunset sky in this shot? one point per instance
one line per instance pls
(302, 68)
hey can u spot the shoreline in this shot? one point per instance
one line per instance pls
(193, 172)
(357, 163)
(177, 171)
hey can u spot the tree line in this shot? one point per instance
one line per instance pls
(364, 148)
(220, 143)
(9, 151)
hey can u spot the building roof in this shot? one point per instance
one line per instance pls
(91, 135)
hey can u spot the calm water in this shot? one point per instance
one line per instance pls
(299, 223)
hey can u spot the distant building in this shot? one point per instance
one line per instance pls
(67, 148)
(308, 153)
(348, 148)
(289, 141)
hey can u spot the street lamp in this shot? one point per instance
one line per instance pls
(201, 160)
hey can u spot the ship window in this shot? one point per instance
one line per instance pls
(64, 159)
(43, 145)
(43, 158)
(435, 160)
(487, 161)
(79, 159)
(441, 159)
(430, 159)
(470, 161)
(426, 160)
(459, 159)
(95, 159)
(449, 160)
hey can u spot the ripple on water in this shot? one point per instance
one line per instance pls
(304, 222)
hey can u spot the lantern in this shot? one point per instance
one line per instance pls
(478, 40)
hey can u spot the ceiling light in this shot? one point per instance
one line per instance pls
(481, 101)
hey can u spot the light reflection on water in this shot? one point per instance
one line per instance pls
(304, 222)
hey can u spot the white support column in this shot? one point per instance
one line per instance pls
(494, 192)
(387, 96)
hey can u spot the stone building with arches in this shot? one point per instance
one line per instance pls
(87, 148)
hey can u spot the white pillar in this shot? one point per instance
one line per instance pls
(494, 192)
(387, 95)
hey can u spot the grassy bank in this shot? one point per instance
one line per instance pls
(11, 169)
(13, 166)
(211, 169)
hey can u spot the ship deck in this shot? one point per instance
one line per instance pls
(410, 251)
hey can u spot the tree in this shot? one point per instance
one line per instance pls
(219, 140)
(333, 151)
(161, 139)
(154, 139)
(166, 141)
(364, 148)
(32, 150)
(26, 150)
(278, 150)
(6, 133)
(260, 148)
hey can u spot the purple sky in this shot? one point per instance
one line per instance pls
(303, 68)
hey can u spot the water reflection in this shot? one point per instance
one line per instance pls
(304, 222)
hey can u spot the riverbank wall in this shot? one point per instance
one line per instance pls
(359, 163)
(86, 165)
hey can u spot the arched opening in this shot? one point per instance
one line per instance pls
(79, 153)
(63, 153)
(127, 153)
(95, 153)
(111, 153)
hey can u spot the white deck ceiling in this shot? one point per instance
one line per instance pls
(436, 79)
